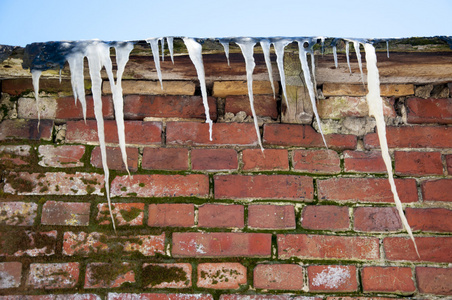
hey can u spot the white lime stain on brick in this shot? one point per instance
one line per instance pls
(18, 213)
(332, 277)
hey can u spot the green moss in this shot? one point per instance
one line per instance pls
(20, 184)
(124, 189)
(106, 274)
(154, 275)
(90, 190)
(14, 241)
(131, 214)
(44, 189)
(141, 184)
(132, 194)
(87, 181)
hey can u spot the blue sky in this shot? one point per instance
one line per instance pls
(28, 21)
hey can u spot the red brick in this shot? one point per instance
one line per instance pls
(305, 136)
(171, 215)
(138, 107)
(265, 105)
(429, 219)
(332, 278)
(325, 217)
(26, 130)
(429, 111)
(269, 160)
(154, 296)
(221, 216)
(366, 189)
(52, 297)
(136, 132)
(197, 134)
(53, 276)
(85, 244)
(290, 187)
(214, 159)
(418, 163)
(437, 190)
(168, 275)
(15, 155)
(156, 185)
(358, 298)
(271, 216)
(65, 213)
(10, 274)
(434, 280)
(125, 214)
(165, 159)
(278, 277)
(221, 244)
(108, 275)
(342, 107)
(20, 243)
(433, 249)
(114, 158)
(264, 297)
(413, 137)
(316, 161)
(66, 156)
(69, 110)
(325, 247)
(449, 163)
(364, 162)
(19, 86)
(378, 219)
(18, 213)
(221, 275)
(388, 280)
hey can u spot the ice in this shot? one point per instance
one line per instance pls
(35, 75)
(154, 43)
(169, 41)
(195, 52)
(75, 61)
(358, 56)
(387, 48)
(225, 44)
(322, 41)
(347, 54)
(247, 47)
(59, 76)
(335, 55)
(265, 44)
(162, 40)
(279, 44)
(375, 104)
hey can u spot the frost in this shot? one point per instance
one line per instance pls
(332, 277)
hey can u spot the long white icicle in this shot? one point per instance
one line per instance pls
(169, 41)
(154, 42)
(279, 46)
(35, 75)
(347, 54)
(225, 44)
(358, 56)
(265, 44)
(75, 61)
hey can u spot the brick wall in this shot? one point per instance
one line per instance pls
(219, 219)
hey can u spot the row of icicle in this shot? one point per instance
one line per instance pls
(98, 55)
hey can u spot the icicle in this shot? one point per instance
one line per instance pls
(195, 52)
(59, 73)
(35, 75)
(247, 47)
(225, 44)
(322, 40)
(279, 45)
(358, 56)
(311, 52)
(265, 44)
(347, 54)
(169, 41)
(154, 42)
(162, 40)
(75, 61)
(335, 55)
(375, 104)
(309, 84)
(387, 48)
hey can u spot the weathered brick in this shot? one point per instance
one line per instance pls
(20, 243)
(429, 111)
(221, 216)
(332, 278)
(342, 107)
(171, 215)
(316, 161)
(160, 276)
(434, 280)
(364, 162)
(27, 108)
(358, 298)
(230, 88)
(264, 105)
(434, 249)
(221, 275)
(366, 189)
(52, 297)
(114, 158)
(18, 213)
(413, 137)
(154, 296)
(53, 276)
(325, 217)
(263, 297)
(153, 87)
(269, 160)
(156, 185)
(65, 213)
(279, 277)
(305, 136)
(290, 187)
(138, 107)
(19, 86)
(449, 163)
(125, 214)
(26, 130)
(15, 155)
(197, 134)
(68, 109)
(388, 280)
(386, 90)
(418, 163)
(429, 219)
(437, 190)
(214, 159)
(378, 219)
(221, 244)
(165, 159)
(327, 247)
(10, 274)
(66, 156)
(271, 216)
(55, 183)
(85, 244)
(136, 132)
(108, 275)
